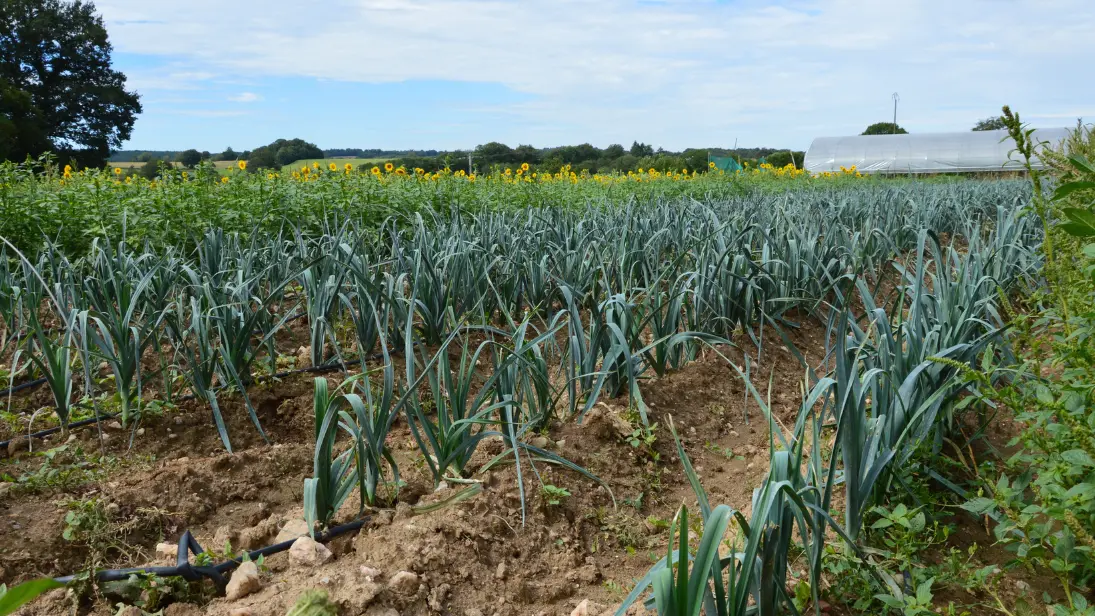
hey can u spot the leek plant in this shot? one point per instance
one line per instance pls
(121, 332)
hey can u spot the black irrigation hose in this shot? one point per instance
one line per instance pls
(20, 387)
(193, 573)
(87, 422)
(41, 381)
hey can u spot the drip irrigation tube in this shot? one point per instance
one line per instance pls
(280, 375)
(41, 381)
(20, 387)
(192, 573)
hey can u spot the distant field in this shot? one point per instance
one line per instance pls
(323, 162)
(222, 165)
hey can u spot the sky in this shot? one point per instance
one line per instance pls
(449, 74)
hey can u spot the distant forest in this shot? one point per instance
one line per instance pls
(614, 158)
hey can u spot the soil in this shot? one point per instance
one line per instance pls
(480, 556)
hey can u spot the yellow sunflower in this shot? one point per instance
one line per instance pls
(242, 165)
(524, 166)
(348, 167)
(333, 167)
(117, 171)
(375, 171)
(388, 167)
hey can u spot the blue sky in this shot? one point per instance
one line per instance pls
(446, 74)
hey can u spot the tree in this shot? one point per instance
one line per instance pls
(227, 154)
(189, 158)
(527, 154)
(783, 158)
(57, 53)
(150, 169)
(994, 123)
(280, 153)
(639, 150)
(493, 153)
(885, 128)
(21, 129)
(613, 151)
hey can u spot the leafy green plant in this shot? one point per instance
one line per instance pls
(554, 495)
(13, 598)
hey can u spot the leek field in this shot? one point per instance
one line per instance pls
(759, 393)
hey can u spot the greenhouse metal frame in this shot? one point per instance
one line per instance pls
(967, 152)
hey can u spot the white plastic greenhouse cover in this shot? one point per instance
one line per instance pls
(923, 153)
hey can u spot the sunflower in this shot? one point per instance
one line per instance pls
(242, 165)
(224, 180)
(348, 167)
(524, 166)
(333, 167)
(711, 164)
(375, 170)
(270, 176)
(388, 167)
(117, 171)
(315, 166)
(401, 171)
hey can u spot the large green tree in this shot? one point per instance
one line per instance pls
(885, 128)
(56, 53)
(281, 153)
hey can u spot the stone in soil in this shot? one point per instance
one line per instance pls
(292, 529)
(245, 580)
(403, 584)
(306, 552)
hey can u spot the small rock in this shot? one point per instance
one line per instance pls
(585, 608)
(140, 431)
(244, 581)
(561, 443)
(500, 572)
(473, 611)
(225, 536)
(178, 421)
(307, 553)
(105, 437)
(1022, 586)
(404, 584)
(369, 573)
(540, 441)
(292, 529)
(733, 434)
(130, 610)
(17, 444)
(241, 611)
(377, 610)
(114, 425)
(167, 550)
(171, 437)
(437, 597)
(5, 488)
(71, 437)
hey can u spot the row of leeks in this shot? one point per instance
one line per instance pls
(213, 316)
(891, 392)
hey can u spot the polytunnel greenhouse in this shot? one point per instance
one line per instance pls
(966, 152)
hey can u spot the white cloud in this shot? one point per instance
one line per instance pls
(245, 97)
(677, 73)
